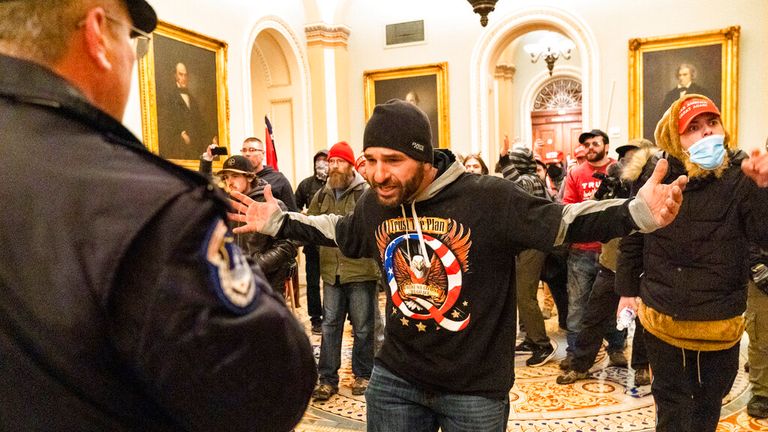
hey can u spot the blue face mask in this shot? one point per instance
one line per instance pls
(708, 152)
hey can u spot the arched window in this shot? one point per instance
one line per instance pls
(559, 94)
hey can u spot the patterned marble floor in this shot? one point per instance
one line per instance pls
(607, 402)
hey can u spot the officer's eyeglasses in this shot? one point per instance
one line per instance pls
(139, 38)
(251, 150)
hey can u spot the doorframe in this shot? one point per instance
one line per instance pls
(534, 87)
(498, 36)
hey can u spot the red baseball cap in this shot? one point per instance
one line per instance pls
(359, 162)
(579, 151)
(690, 108)
(553, 157)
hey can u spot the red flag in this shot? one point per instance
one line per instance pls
(269, 145)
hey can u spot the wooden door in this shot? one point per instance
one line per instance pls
(559, 130)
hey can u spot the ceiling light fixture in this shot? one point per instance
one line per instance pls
(551, 49)
(483, 8)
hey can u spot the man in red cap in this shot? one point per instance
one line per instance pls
(125, 303)
(349, 285)
(694, 272)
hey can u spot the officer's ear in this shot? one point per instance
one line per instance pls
(96, 38)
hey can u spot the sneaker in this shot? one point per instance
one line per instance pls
(758, 407)
(359, 386)
(565, 364)
(541, 355)
(617, 358)
(317, 328)
(525, 346)
(642, 377)
(323, 392)
(571, 377)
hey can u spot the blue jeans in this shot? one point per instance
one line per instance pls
(582, 272)
(394, 405)
(356, 299)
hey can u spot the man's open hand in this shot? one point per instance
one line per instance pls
(254, 214)
(756, 168)
(663, 200)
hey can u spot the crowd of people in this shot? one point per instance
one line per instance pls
(138, 295)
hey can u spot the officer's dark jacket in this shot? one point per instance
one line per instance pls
(697, 267)
(109, 316)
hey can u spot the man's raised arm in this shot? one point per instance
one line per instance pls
(267, 218)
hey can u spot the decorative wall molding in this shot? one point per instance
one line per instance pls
(505, 71)
(327, 35)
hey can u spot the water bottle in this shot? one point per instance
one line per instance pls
(625, 318)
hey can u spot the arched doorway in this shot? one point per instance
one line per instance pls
(278, 86)
(488, 51)
(556, 115)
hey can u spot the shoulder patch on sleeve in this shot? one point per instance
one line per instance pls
(228, 270)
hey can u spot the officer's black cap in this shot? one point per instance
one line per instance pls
(143, 16)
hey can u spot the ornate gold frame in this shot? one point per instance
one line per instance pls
(148, 94)
(728, 38)
(440, 70)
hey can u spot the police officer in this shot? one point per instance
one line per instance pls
(123, 305)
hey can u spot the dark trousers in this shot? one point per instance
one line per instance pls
(689, 386)
(555, 275)
(312, 267)
(599, 321)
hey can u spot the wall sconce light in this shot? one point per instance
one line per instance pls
(483, 7)
(551, 50)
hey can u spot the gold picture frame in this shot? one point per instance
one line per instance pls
(175, 127)
(654, 63)
(425, 85)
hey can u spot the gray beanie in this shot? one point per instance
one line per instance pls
(401, 126)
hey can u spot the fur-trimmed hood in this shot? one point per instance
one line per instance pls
(668, 139)
(633, 167)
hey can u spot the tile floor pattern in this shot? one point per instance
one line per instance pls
(607, 402)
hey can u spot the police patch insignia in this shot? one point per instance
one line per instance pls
(230, 274)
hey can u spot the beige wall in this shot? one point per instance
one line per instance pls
(452, 33)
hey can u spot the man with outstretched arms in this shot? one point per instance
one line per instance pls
(446, 241)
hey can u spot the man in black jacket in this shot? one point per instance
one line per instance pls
(254, 150)
(275, 257)
(124, 306)
(447, 358)
(304, 193)
(692, 275)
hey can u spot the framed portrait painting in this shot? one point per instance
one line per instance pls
(184, 105)
(662, 69)
(426, 86)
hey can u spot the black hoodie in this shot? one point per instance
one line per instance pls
(449, 261)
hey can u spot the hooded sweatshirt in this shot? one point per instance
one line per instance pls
(449, 262)
(519, 166)
(692, 274)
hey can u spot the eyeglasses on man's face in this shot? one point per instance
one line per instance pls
(251, 150)
(139, 38)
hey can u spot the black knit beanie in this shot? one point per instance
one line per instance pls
(401, 126)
